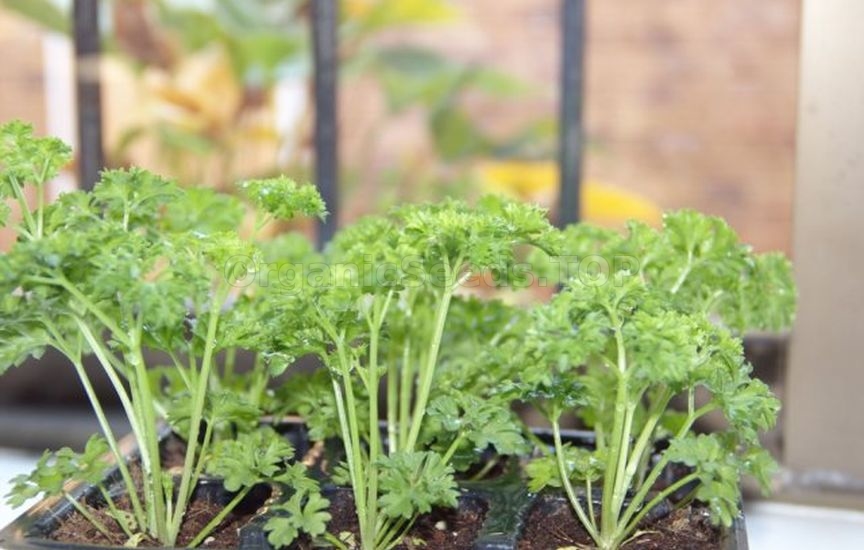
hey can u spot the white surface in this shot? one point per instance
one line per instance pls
(12, 463)
(776, 526)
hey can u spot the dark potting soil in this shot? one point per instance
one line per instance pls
(441, 529)
(203, 507)
(76, 529)
(552, 524)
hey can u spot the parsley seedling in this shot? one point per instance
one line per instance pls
(379, 317)
(617, 345)
(140, 265)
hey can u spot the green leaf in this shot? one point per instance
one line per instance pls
(133, 197)
(581, 464)
(251, 458)
(205, 211)
(26, 159)
(54, 470)
(482, 422)
(304, 512)
(412, 483)
(284, 199)
(715, 460)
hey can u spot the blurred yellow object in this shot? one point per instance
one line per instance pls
(383, 13)
(201, 93)
(357, 8)
(538, 182)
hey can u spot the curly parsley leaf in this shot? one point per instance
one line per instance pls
(304, 512)
(413, 482)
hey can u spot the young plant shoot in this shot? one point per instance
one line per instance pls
(380, 308)
(135, 266)
(618, 344)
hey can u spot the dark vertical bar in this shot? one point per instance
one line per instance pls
(325, 19)
(571, 133)
(88, 92)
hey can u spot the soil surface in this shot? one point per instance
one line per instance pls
(77, 529)
(206, 504)
(552, 524)
(441, 529)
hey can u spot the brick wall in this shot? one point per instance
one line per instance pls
(691, 103)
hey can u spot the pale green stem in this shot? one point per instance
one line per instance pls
(374, 434)
(642, 445)
(205, 444)
(88, 516)
(619, 437)
(119, 334)
(146, 402)
(406, 387)
(684, 273)
(128, 409)
(392, 404)
(631, 525)
(214, 523)
(347, 412)
(25, 208)
(453, 448)
(115, 513)
(568, 487)
(645, 488)
(427, 374)
(198, 400)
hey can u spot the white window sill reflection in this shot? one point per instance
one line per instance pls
(781, 526)
(12, 463)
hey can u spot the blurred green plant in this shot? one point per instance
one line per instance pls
(209, 70)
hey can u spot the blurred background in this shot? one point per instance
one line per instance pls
(687, 103)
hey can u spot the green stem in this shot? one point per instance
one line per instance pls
(374, 434)
(334, 540)
(198, 400)
(406, 379)
(128, 409)
(485, 469)
(427, 374)
(406, 387)
(25, 208)
(684, 273)
(394, 533)
(205, 444)
(568, 487)
(645, 488)
(150, 458)
(631, 525)
(230, 360)
(348, 425)
(451, 450)
(115, 513)
(643, 443)
(116, 332)
(88, 516)
(214, 523)
(392, 404)
(359, 482)
(619, 438)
